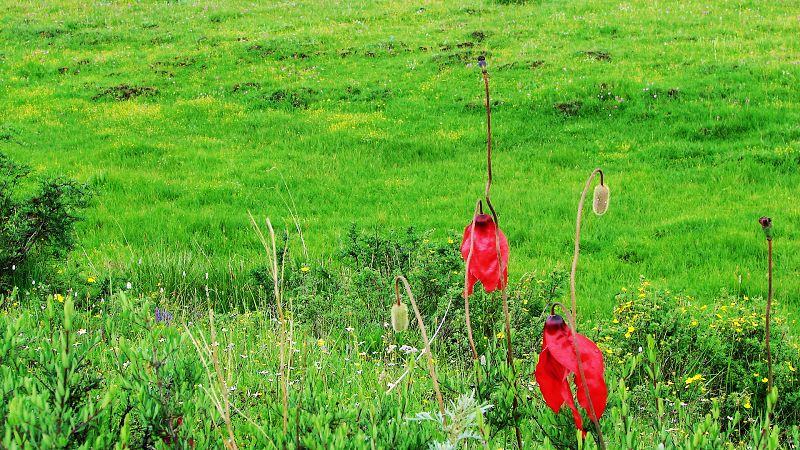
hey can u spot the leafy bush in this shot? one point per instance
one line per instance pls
(53, 397)
(37, 214)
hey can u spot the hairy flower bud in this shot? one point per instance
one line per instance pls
(600, 203)
(399, 317)
(766, 225)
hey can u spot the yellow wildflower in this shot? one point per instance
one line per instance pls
(91, 279)
(305, 269)
(59, 298)
(695, 378)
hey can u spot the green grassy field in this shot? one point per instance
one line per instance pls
(184, 115)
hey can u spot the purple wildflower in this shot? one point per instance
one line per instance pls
(162, 315)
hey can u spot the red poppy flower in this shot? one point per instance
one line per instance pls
(483, 265)
(557, 361)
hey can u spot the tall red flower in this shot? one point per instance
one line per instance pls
(558, 360)
(483, 265)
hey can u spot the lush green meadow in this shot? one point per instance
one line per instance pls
(348, 124)
(371, 113)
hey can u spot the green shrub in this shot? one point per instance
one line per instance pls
(53, 395)
(37, 214)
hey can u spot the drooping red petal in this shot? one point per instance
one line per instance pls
(576, 416)
(558, 341)
(483, 265)
(552, 380)
(593, 368)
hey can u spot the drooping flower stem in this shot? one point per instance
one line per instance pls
(478, 206)
(574, 313)
(431, 367)
(509, 346)
(482, 64)
(578, 243)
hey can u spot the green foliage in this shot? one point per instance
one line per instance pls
(158, 373)
(37, 214)
(126, 378)
(55, 395)
(707, 350)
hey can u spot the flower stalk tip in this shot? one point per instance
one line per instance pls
(766, 225)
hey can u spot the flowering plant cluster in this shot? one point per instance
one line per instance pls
(565, 354)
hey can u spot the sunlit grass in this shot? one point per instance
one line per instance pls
(372, 113)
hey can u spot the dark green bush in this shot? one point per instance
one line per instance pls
(37, 214)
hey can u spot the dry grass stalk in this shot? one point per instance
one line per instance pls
(431, 367)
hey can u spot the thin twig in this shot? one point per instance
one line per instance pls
(431, 366)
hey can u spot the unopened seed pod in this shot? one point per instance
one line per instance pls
(399, 317)
(600, 203)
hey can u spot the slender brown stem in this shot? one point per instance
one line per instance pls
(510, 362)
(573, 318)
(766, 316)
(509, 345)
(431, 366)
(466, 282)
(510, 352)
(489, 137)
(766, 224)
